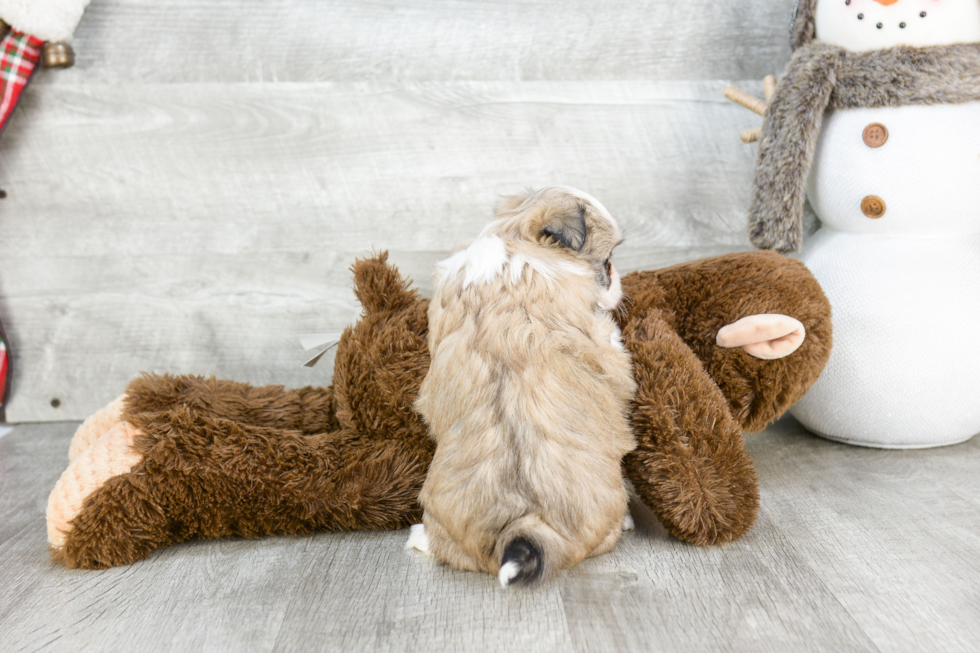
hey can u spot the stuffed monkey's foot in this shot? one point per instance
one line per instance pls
(767, 336)
(110, 455)
(95, 427)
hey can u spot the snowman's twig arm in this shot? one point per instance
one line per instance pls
(769, 86)
(752, 104)
(744, 99)
(751, 135)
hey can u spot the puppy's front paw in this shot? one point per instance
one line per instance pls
(628, 524)
(767, 336)
(418, 540)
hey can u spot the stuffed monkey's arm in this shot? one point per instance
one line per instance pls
(701, 298)
(786, 147)
(690, 465)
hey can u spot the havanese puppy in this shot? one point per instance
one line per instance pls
(528, 393)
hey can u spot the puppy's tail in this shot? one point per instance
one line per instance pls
(529, 551)
(522, 564)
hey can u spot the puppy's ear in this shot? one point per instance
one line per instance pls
(567, 226)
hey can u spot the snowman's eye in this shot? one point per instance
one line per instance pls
(879, 25)
(860, 16)
(902, 25)
(922, 15)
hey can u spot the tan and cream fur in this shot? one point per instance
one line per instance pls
(528, 393)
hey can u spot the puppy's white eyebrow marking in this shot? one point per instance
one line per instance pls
(550, 270)
(571, 268)
(485, 260)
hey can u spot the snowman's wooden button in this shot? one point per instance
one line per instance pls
(873, 206)
(875, 135)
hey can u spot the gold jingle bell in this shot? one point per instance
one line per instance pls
(57, 54)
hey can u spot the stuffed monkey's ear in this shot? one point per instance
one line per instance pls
(567, 226)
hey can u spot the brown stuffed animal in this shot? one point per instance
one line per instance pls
(178, 457)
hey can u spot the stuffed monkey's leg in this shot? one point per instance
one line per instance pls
(93, 428)
(212, 478)
(307, 409)
(690, 465)
(704, 297)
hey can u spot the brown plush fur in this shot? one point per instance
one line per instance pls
(695, 398)
(227, 459)
(822, 77)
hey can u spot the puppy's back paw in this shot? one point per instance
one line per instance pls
(93, 428)
(628, 523)
(110, 455)
(418, 540)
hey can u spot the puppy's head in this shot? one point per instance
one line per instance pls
(571, 222)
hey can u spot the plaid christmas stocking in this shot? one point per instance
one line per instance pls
(19, 55)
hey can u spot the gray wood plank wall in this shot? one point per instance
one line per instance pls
(190, 195)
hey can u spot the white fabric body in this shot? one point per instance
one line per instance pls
(48, 20)
(946, 22)
(927, 172)
(904, 288)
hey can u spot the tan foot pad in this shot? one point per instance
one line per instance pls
(766, 336)
(95, 427)
(109, 456)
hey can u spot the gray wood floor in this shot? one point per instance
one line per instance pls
(855, 550)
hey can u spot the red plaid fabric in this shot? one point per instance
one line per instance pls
(3, 372)
(19, 54)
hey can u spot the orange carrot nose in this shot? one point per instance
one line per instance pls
(886, 2)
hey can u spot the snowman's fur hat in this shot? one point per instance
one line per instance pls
(821, 77)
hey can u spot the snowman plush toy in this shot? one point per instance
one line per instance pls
(877, 122)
